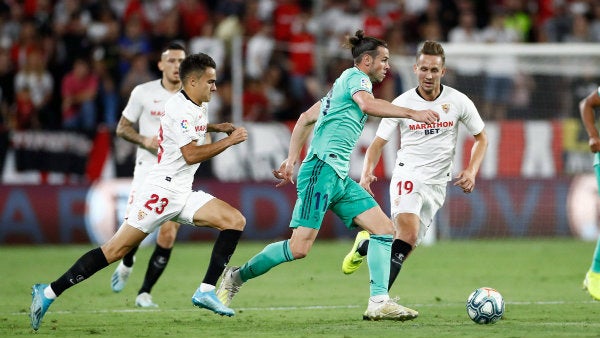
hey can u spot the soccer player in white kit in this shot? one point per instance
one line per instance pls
(424, 160)
(145, 107)
(167, 193)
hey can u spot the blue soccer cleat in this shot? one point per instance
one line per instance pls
(39, 305)
(208, 300)
(120, 276)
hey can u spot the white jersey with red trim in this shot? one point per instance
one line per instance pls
(145, 106)
(427, 150)
(183, 122)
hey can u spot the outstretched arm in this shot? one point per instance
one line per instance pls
(382, 108)
(466, 178)
(126, 131)
(372, 157)
(303, 128)
(586, 109)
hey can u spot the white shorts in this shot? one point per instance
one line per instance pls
(141, 170)
(154, 205)
(410, 195)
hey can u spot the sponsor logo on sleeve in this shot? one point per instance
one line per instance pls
(185, 125)
(365, 83)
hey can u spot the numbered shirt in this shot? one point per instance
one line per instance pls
(183, 122)
(340, 121)
(427, 150)
(145, 106)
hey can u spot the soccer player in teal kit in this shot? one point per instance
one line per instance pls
(323, 182)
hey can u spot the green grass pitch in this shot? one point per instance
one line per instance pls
(540, 280)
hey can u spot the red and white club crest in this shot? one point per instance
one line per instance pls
(446, 107)
(141, 215)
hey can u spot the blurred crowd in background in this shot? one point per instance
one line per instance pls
(70, 65)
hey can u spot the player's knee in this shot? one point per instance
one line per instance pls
(234, 220)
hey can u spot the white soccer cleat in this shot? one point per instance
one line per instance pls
(120, 276)
(228, 287)
(144, 299)
(390, 310)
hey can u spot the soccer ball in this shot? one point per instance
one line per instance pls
(485, 306)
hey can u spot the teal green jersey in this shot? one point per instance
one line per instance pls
(340, 121)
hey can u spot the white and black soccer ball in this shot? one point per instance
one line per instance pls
(485, 306)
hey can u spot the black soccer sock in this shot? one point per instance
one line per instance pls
(156, 266)
(128, 258)
(222, 251)
(87, 265)
(363, 247)
(400, 249)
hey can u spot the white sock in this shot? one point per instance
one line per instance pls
(237, 278)
(206, 287)
(49, 293)
(375, 301)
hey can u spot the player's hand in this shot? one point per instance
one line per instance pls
(594, 143)
(151, 144)
(226, 127)
(285, 173)
(238, 135)
(466, 181)
(365, 182)
(426, 116)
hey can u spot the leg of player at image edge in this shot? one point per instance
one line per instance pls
(591, 283)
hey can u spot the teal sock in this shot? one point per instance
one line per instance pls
(271, 256)
(597, 167)
(378, 258)
(596, 261)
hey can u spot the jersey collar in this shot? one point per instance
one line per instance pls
(440, 94)
(188, 98)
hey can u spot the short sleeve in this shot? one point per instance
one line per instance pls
(387, 127)
(133, 109)
(358, 82)
(471, 118)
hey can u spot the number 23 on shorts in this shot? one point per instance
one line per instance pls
(156, 204)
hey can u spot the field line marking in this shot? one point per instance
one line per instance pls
(295, 308)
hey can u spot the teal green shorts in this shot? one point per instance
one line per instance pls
(320, 188)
